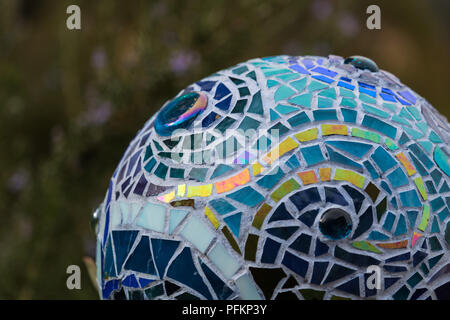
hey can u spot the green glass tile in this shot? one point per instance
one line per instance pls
(251, 75)
(372, 136)
(285, 188)
(240, 70)
(298, 119)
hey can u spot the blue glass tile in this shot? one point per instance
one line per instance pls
(281, 213)
(321, 115)
(387, 97)
(206, 85)
(403, 139)
(385, 186)
(221, 92)
(220, 288)
(296, 264)
(271, 179)
(323, 78)
(247, 196)
(383, 159)
(412, 217)
(321, 248)
(302, 243)
(308, 63)
(224, 104)
(394, 202)
(299, 69)
(302, 199)
(109, 268)
(379, 126)
(413, 133)
(130, 281)
(183, 270)
(209, 119)
(410, 199)
(324, 71)
(337, 272)
(141, 259)
(332, 195)
(312, 155)
(346, 85)
(408, 96)
(270, 251)
(309, 217)
(368, 92)
(282, 232)
(397, 178)
(445, 188)
(123, 241)
(163, 251)
(319, 271)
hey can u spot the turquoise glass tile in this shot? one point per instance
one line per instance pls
(421, 155)
(271, 83)
(278, 130)
(262, 143)
(436, 176)
(234, 222)
(349, 115)
(441, 160)
(247, 195)
(403, 139)
(299, 85)
(444, 188)
(150, 165)
(372, 171)
(435, 226)
(271, 178)
(389, 221)
(346, 93)
(401, 226)
(443, 214)
(423, 126)
(412, 217)
(175, 217)
(315, 85)
(239, 107)
(337, 157)
(427, 146)
(385, 186)
(256, 106)
(303, 100)
(420, 168)
(148, 152)
(247, 288)
(283, 92)
(221, 206)
(176, 173)
(249, 126)
(413, 133)
(383, 159)
(288, 76)
(405, 115)
(284, 109)
(375, 111)
(415, 113)
(375, 235)
(324, 102)
(197, 233)
(321, 115)
(430, 187)
(198, 174)
(434, 137)
(390, 106)
(397, 178)
(152, 217)
(365, 98)
(293, 162)
(400, 120)
(228, 147)
(348, 102)
(410, 199)
(273, 115)
(221, 169)
(328, 93)
(312, 155)
(356, 149)
(380, 126)
(394, 202)
(437, 203)
(225, 124)
(298, 119)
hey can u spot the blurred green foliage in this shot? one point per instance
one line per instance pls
(70, 101)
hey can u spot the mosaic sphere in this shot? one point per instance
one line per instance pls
(282, 178)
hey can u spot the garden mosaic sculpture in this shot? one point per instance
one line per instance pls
(282, 178)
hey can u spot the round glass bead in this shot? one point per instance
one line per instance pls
(335, 224)
(362, 63)
(180, 113)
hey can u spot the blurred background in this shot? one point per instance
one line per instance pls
(71, 101)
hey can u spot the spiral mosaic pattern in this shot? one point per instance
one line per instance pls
(282, 178)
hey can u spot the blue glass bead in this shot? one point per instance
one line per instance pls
(335, 224)
(362, 63)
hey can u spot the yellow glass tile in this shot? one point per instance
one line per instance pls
(257, 168)
(408, 166)
(329, 129)
(233, 182)
(276, 152)
(325, 174)
(307, 135)
(350, 176)
(181, 190)
(167, 197)
(421, 187)
(308, 177)
(200, 191)
(212, 217)
(284, 189)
